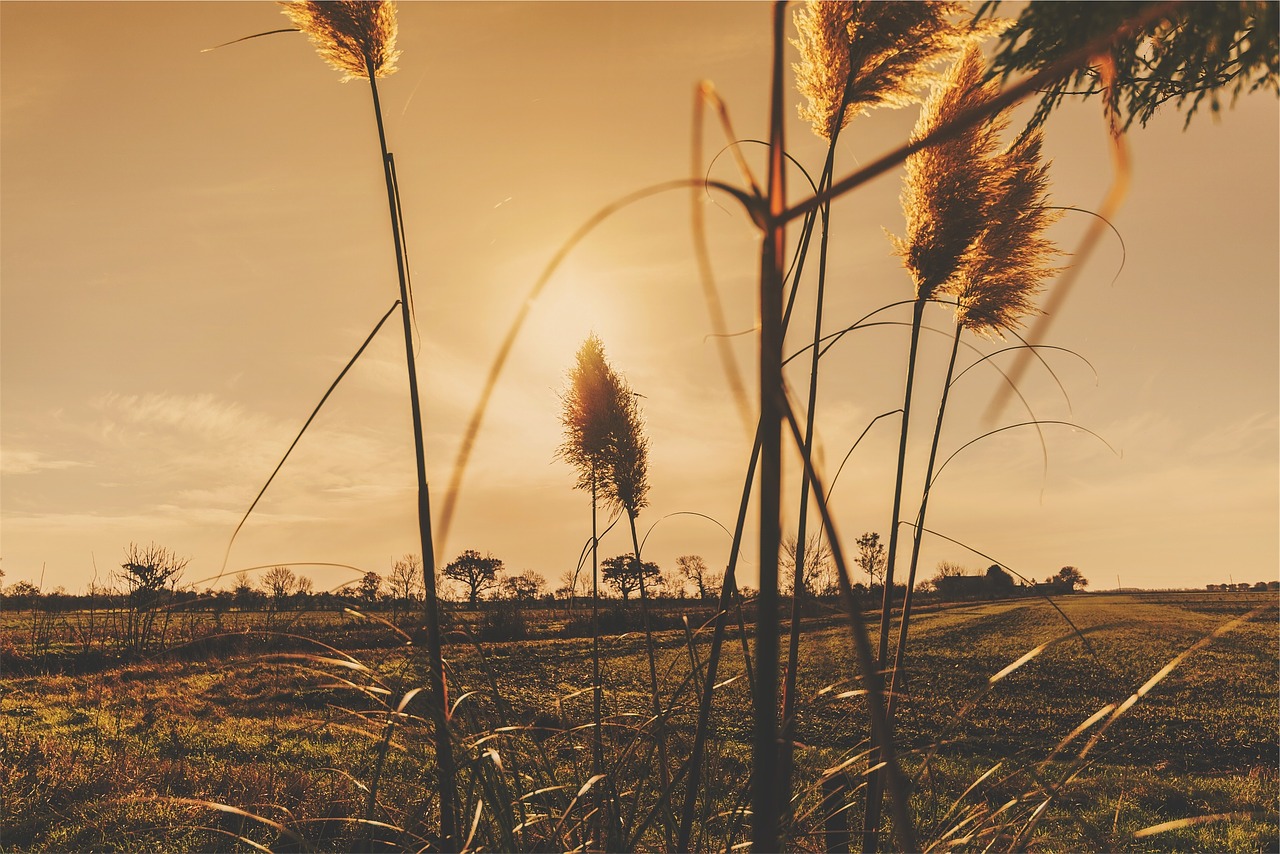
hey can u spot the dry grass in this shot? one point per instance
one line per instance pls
(117, 760)
(356, 37)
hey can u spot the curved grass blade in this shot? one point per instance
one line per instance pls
(310, 418)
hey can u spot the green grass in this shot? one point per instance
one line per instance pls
(100, 760)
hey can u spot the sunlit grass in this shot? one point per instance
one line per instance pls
(111, 751)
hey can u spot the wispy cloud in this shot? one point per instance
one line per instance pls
(26, 462)
(203, 415)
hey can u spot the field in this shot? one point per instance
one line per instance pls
(293, 747)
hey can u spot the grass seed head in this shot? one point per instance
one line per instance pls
(604, 431)
(353, 36)
(948, 186)
(1012, 257)
(875, 54)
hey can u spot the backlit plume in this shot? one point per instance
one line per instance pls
(874, 54)
(351, 35)
(949, 187)
(1011, 260)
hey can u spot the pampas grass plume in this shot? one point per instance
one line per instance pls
(946, 186)
(1011, 260)
(874, 54)
(353, 36)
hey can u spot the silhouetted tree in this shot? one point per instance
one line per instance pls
(147, 574)
(622, 573)
(1071, 578)
(475, 571)
(569, 584)
(280, 582)
(405, 579)
(524, 587)
(404, 582)
(998, 579)
(815, 561)
(871, 557)
(370, 588)
(695, 571)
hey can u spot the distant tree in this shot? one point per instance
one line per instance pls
(478, 573)
(944, 569)
(370, 588)
(404, 582)
(569, 584)
(998, 579)
(280, 582)
(22, 595)
(1071, 578)
(623, 575)
(947, 569)
(305, 586)
(147, 574)
(695, 570)
(524, 587)
(816, 561)
(242, 592)
(671, 584)
(871, 558)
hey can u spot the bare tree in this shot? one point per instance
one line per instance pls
(695, 571)
(280, 582)
(405, 579)
(569, 585)
(404, 582)
(816, 563)
(147, 575)
(871, 557)
(945, 569)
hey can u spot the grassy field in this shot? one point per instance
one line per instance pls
(296, 749)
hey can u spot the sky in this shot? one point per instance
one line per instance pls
(193, 244)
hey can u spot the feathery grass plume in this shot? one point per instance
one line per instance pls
(354, 36)
(588, 425)
(1011, 258)
(864, 55)
(947, 186)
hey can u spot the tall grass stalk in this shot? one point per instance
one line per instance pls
(798, 587)
(1002, 274)
(905, 618)
(359, 38)
(767, 797)
(944, 197)
(703, 730)
(871, 676)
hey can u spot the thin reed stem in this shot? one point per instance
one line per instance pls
(797, 585)
(659, 720)
(604, 803)
(766, 796)
(727, 587)
(900, 656)
(875, 783)
(435, 656)
(872, 678)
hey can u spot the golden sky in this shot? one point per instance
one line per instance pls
(194, 243)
